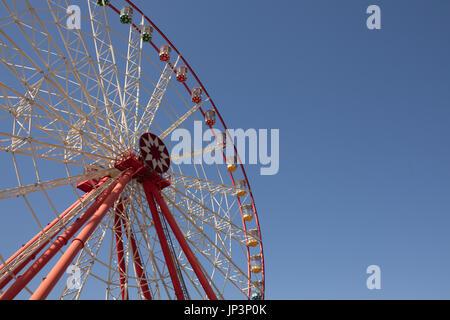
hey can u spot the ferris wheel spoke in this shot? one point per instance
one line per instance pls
(180, 120)
(197, 206)
(187, 270)
(11, 274)
(23, 109)
(106, 61)
(190, 275)
(195, 153)
(192, 280)
(186, 214)
(60, 158)
(193, 202)
(53, 116)
(218, 228)
(65, 140)
(238, 272)
(156, 98)
(223, 270)
(63, 161)
(25, 120)
(77, 50)
(50, 74)
(55, 84)
(23, 145)
(50, 184)
(188, 182)
(132, 76)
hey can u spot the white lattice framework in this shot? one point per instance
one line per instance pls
(71, 102)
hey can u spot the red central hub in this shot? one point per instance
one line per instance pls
(131, 160)
(152, 162)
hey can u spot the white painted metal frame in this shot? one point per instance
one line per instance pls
(75, 105)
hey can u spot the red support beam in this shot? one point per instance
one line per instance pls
(19, 267)
(162, 240)
(48, 254)
(78, 243)
(143, 283)
(120, 256)
(182, 241)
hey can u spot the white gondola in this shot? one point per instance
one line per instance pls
(164, 53)
(241, 187)
(196, 96)
(222, 140)
(182, 73)
(256, 290)
(147, 33)
(232, 163)
(126, 15)
(102, 2)
(247, 212)
(252, 238)
(210, 118)
(255, 263)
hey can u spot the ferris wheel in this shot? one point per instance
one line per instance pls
(94, 203)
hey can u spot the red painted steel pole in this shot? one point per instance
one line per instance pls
(163, 241)
(18, 268)
(120, 256)
(184, 245)
(143, 283)
(139, 269)
(78, 243)
(48, 254)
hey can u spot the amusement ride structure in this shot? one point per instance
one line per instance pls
(93, 203)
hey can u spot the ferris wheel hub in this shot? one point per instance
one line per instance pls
(142, 172)
(154, 153)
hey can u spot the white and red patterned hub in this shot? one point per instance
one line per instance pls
(154, 153)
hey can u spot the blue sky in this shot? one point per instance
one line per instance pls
(363, 117)
(364, 124)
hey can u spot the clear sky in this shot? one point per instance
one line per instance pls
(364, 125)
